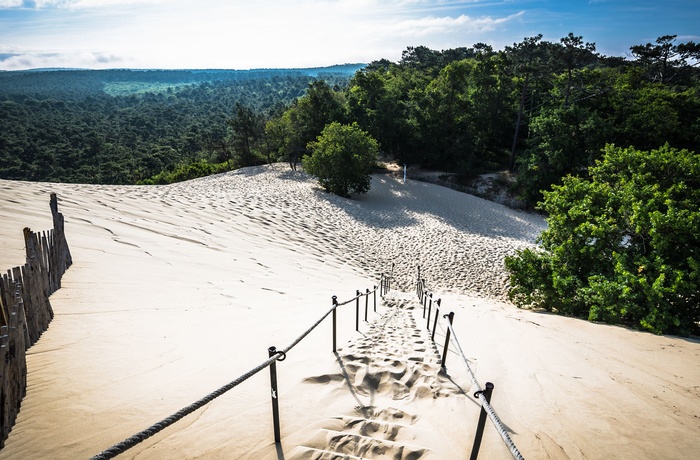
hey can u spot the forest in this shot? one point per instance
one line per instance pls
(125, 126)
(540, 109)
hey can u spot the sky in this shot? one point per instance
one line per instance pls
(249, 34)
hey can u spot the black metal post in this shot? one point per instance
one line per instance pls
(275, 395)
(425, 302)
(450, 317)
(366, 302)
(482, 420)
(357, 310)
(375, 298)
(430, 307)
(437, 315)
(335, 317)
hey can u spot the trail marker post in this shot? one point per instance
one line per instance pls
(482, 420)
(274, 394)
(450, 318)
(335, 318)
(357, 310)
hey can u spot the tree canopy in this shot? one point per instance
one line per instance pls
(342, 158)
(128, 126)
(622, 246)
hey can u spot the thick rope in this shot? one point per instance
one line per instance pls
(166, 422)
(484, 403)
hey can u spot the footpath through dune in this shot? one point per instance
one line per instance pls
(392, 372)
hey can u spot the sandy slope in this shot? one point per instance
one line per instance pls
(177, 290)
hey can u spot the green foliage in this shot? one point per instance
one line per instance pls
(288, 135)
(247, 130)
(564, 140)
(63, 126)
(199, 168)
(342, 158)
(622, 246)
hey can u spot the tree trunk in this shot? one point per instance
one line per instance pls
(517, 123)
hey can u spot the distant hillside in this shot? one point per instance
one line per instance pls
(128, 81)
(123, 126)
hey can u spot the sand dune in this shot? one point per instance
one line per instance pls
(177, 290)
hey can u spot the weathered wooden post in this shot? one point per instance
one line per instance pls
(65, 259)
(375, 298)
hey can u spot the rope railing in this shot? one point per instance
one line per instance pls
(141, 436)
(484, 396)
(274, 356)
(425, 296)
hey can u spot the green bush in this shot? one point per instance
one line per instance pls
(622, 246)
(342, 158)
(199, 168)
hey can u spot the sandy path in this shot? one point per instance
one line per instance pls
(392, 372)
(177, 290)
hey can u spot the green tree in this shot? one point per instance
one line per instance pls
(247, 130)
(665, 59)
(526, 58)
(302, 122)
(565, 140)
(319, 107)
(342, 158)
(622, 246)
(574, 55)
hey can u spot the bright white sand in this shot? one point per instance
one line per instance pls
(177, 290)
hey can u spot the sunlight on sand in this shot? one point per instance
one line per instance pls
(177, 290)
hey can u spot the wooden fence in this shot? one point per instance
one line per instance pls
(25, 310)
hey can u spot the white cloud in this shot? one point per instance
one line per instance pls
(49, 3)
(93, 4)
(237, 34)
(444, 25)
(10, 3)
(24, 59)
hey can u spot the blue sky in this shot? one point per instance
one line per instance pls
(237, 34)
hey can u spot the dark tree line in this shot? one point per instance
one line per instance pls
(540, 109)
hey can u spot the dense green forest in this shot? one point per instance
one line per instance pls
(126, 126)
(541, 109)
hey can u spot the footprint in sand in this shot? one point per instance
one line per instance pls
(368, 432)
(391, 363)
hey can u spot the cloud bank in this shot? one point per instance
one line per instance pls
(232, 34)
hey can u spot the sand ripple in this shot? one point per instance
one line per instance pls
(458, 240)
